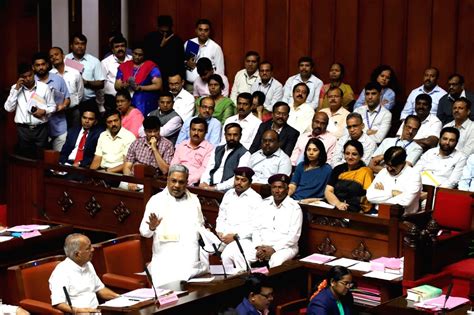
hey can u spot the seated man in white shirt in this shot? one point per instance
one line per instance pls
(442, 166)
(301, 113)
(377, 119)
(305, 68)
(427, 135)
(277, 231)
(224, 160)
(245, 119)
(183, 100)
(461, 111)
(410, 128)
(397, 184)
(237, 211)
(270, 159)
(246, 77)
(77, 275)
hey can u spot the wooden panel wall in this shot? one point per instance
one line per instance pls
(407, 34)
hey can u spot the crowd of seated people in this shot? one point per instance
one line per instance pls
(55, 109)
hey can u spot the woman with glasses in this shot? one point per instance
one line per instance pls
(258, 296)
(333, 296)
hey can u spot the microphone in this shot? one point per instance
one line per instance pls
(148, 275)
(68, 299)
(448, 294)
(218, 254)
(237, 240)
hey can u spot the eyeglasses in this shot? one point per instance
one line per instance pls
(267, 296)
(348, 285)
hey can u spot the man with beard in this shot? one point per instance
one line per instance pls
(301, 112)
(32, 102)
(110, 66)
(173, 218)
(377, 119)
(277, 229)
(74, 83)
(170, 121)
(287, 134)
(455, 91)
(113, 144)
(245, 78)
(427, 135)
(397, 184)
(77, 274)
(245, 119)
(305, 75)
(165, 49)
(183, 100)
(237, 211)
(442, 166)
(461, 112)
(337, 114)
(270, 159)
(219, 173)
(205, 111)
(430, 86)
(195, 152)
(152, 150)
(319, 125)
(355, 128)
(268, 85)
(57, 120)
(414, 151)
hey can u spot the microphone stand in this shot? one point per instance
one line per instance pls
(148, 275)
(237, 240)
(218, 254)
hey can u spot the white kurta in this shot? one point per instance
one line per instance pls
(175, 240)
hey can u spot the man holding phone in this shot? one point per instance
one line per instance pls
(32, 102)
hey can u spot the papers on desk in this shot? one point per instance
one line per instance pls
(145, 293)
(344, 262)
(5, 238)
(219, 270)
(383, 275)
(121, 301)
(437, 303)
(319, 203)
(363, 266)
(28, 228)
(201, 280)
(317, 258)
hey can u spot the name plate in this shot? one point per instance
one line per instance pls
(168, 298)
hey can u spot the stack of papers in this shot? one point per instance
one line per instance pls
(344, 262)
(363, 266)
(28, 228)
(437, 303)
(318, 258)
(146, 293)
(383, 275)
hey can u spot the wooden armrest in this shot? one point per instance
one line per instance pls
(34, 306)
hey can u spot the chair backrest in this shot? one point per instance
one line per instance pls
(453, 209)
(123, 255)
(32, 278)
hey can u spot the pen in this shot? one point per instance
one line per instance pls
(135, 300)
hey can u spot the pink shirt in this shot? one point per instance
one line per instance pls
(327, 138)
(195, 159)
(200, 87)
(133, 121)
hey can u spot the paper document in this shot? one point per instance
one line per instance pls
(28, 228)
(219, 270)
(317, 258)
(344, 262)
(363, 266)
(201, 280)
(383, 275)
(320, 203)
(146, 293)
(438, 302)
(121, 301)
(5, 238)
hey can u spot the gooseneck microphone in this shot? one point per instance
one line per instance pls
(448, 294)
(68, 299)
(218, 254)
(148, 275)
(237, 240)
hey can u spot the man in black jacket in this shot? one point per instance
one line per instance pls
(288, 134)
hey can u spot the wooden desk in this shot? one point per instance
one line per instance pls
(18, 250)
(401, 306)
(205, 299)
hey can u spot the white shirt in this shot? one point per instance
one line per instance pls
(74, 83)
(175, 240)
(301, 117)
(227, 184)
(249, 126)
(273, 91)
(243, 83)
(445, 170)
(436, 94)
(209, 50)
(81, 283)
(379, 119)
(413, 150)
(408, 181)
(266, 166)
(109, 68)
(314, 84)
(337, 121)
(466, 136)
(184, 104)
(431, 126)
(237, 213)
(278, 226)
(73, 154)
(368, 144)
(22, 99)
